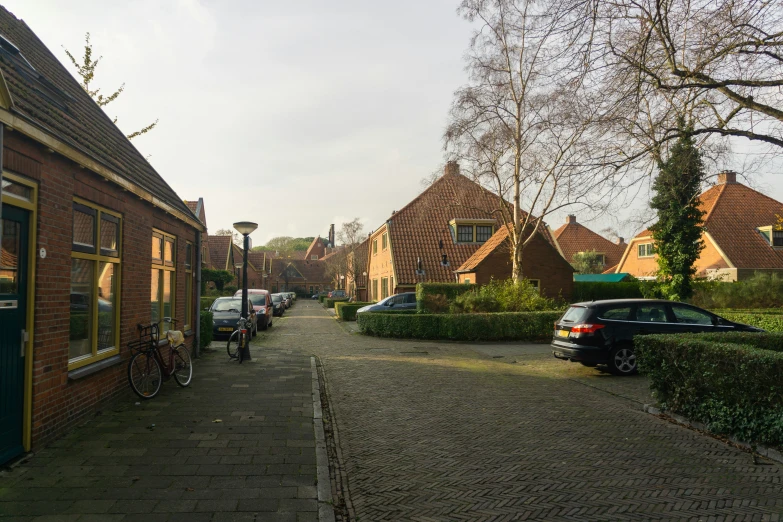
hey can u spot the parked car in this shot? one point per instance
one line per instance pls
(337, 293)
(278, 304)
(287, 298)
(226, 312)
(404, 301)
(262, 303)
(601, 332)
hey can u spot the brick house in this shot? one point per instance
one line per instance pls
(739, 239)
(94, 241)
(221, 253)
(254, 275)
(542, 264)
(197, 207)
(304, 276)
(574, 238)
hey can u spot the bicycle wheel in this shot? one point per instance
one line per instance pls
(183, 369)
(144, 375)
(233, 344)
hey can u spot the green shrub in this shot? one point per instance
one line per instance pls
(504, 296)
(596, 291)
(760, 291)
(205, 320)
(437, 297)
(347, 311)
(730, 381)
(513, 326)
(768, 321)
(321, 298)
(330, 301)
(206, 302)
(229, 290)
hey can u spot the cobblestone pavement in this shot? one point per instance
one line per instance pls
(236, 445)
(445, 431)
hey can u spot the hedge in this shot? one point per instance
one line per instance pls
(510, 326)
(321, 298)
(347, 311)
(595, 291)
(769, 322)
(329, 301)
(207, 301)
(728, 381)
(205, 320)
(436, 297)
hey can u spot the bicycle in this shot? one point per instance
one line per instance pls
(147, 369)
(239, 339)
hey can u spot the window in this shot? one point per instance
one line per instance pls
(384, 241)
(163, 280)
(601, 258)
(645, 250)
(374, 246)
(313, 257)
(777, 238)
(95, 273)
(464, 233)
(654, 313)
(375, 289)
(384, 287)
(188, 322)
(466, 281)
(311, 289)
(685, 315)
(483, 233)
(617, 313)
(535, 283)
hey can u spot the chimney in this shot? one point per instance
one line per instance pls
(727, 176)
(331, 235)
(620, 240)
(452, 167)
(571, 218)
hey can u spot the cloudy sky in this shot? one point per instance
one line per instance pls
(291, 114)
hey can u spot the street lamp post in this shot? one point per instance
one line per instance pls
(245, 228)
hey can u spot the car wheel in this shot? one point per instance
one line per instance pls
(622, 360)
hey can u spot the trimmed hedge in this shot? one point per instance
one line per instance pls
(207, 301)
(595, 291)
(436, 297)
(205, 319)
(510, 326)
(321, 298)
(769, 322)
(347, 311)
(728, 381)
(330, 301)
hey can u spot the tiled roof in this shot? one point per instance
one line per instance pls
(416, 230)
(218, 251)
(574, 238)
(48, 97)
(733, 212)
(192, 205)
(317, 247)
(312, 271)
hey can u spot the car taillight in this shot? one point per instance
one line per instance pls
(586, 328)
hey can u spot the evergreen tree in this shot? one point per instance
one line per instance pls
(677, 233)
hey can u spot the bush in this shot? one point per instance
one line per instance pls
(768, 321)
(760, 291)
(329, 301)
(514, 326)
(436, 298)
(321, 298)
(730, 382)
(206, 302)
(205, 321)
(504, 296)
(596, 291)
(347, 311)
(229, 290)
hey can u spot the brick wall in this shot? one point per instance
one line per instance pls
(58, 402)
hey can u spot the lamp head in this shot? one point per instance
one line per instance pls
(245, 227)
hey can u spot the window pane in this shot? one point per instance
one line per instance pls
(107, 302)
(109, 237)
(777, 238)
(651, 313)
(465, 233)
(157, 248)
(81, 307)
(690, 316)
(483, 233)
(169, 253)
(16, 190)
(622, 313)
(9, 262)
(83, 231)
(155, 296)
(168, 297)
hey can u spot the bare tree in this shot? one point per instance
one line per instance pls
(235, 237)
(346, 261)
(525, 124)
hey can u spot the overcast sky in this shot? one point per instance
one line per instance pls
(291, 114)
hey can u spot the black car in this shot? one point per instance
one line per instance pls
(278, 304)
(601, 332)
(226, 312)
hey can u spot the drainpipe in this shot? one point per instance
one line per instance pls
(197, 348)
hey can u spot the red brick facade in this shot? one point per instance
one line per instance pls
(58, 401)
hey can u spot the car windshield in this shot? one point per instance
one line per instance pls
(227, 305)
(258, 299)
(276, 298)
(574, 314)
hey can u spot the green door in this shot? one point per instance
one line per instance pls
(13, 307)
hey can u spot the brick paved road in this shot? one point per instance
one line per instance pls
(258, 463)
(438, 431)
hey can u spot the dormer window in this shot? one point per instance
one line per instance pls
(472, 230)
(645, 250)
(772, 236)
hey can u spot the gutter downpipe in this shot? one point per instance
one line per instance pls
(197, 348)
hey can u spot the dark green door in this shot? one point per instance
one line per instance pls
(13, 307)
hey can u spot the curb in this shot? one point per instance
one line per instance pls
(764, 451)
(325, 502)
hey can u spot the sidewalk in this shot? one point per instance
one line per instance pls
(236, 445)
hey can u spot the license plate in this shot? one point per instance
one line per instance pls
(563, 333)
(225, 329)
